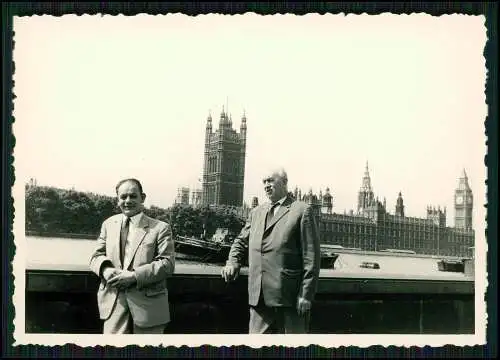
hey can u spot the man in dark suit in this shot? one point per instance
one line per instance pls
(282, 239)
(133, 258)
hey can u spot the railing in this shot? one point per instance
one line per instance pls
(65, 302)
(62, 235)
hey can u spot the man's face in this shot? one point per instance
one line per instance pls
(274, 186)
(130, 199)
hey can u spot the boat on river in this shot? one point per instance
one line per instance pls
(209, 251)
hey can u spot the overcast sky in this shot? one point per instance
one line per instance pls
(102, 98)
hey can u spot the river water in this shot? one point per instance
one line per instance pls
(46, 253)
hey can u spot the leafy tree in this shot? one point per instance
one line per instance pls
(57, 210)
(186, 220)
(105, 207)
(43, 209)
(80, 213)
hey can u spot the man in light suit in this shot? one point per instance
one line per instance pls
(133, 258)
(284, 260)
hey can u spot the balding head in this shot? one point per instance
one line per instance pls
(275, 183)
(275, 169)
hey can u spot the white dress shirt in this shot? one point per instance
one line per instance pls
(133, 225)
(278, 204)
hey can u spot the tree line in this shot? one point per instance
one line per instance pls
(60, 211)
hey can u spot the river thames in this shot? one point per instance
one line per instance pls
(73, 254)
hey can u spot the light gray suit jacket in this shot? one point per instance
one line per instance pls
(153, 260)
(284, 256)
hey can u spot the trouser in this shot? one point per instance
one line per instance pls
(121, 322)
(277, 320)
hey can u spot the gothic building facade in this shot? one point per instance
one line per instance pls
(373, 228)
(187, 196)
(224, 162)
(182, 196)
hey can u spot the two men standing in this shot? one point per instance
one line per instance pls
(135, 255)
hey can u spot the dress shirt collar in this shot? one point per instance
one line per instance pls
(279, 202)
(134, 220)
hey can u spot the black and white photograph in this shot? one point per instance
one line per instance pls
(215, 179)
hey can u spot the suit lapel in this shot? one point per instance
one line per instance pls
(282, 210)
(136, 240)
(114, 236)
(261, 222)
(263, 217)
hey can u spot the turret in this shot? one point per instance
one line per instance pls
(437, 216)
(208, 129)
(400, 208)
(209, 123)
(208, 135)
(327, 203)
(223, 120)
(243, 126)
(243, 138)
(365, 195)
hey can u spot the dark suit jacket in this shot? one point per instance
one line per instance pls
(153, 260)
(284, 256)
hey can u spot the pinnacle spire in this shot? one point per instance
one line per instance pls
(224, 118)
(366, 180)
(464, 181)
(209, 121)
(243, 125)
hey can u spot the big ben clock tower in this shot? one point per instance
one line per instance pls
(463, 204)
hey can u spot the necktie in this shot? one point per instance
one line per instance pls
(123, 237)
(270, 214)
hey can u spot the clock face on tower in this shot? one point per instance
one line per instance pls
(459, 200)
(469, 200)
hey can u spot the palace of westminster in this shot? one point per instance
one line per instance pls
(371, 228)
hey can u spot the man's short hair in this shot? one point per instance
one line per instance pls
(283, 175)
(280, 171)
(135, 181)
